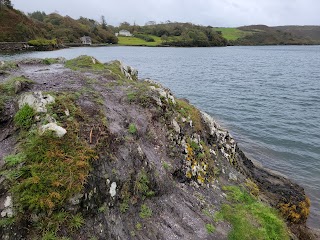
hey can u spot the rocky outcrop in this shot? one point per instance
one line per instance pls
(158, 166)
(14, 46)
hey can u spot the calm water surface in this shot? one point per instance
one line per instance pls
(268, 97)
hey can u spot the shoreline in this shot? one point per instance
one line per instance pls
(13, 47)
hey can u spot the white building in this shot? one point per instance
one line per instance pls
(86, 40)
(125, 33)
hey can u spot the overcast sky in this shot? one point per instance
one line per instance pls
(225, 13)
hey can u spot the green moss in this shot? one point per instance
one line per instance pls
(145, 211)
(250, 218)
(24, 117)
(85, 63)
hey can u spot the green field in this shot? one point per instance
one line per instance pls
(232, 33)
(133, 41)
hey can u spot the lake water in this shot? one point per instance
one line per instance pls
(268, 97)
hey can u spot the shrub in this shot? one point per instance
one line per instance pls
(145, 37)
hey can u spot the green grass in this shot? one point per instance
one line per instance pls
(251, 219)
(232, 33)
(84, 63)
(24, 117)
(132, 128)
(13, 160)
(42, 42)
(133, 41)
(210, 228)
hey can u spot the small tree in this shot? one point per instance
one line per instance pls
(5, 3)
(103, 23)
(164, 38)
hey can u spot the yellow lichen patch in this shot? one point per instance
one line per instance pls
(252, 187)
(296, 213)
(196, 168)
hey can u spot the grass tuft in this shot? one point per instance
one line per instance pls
(210, 228)
(142, 185)
(85, 63)
(132, 128)
(54, 169)
(187, 110)
(24, 117)
(145, 211)
(250, 218)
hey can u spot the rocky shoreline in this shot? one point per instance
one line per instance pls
(24, 46)
(152, 166)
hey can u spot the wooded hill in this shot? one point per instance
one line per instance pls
(15, 26)
(286, 35)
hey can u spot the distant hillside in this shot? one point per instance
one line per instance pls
(69, 30)
(312, 32)
(177, 34)
(264, 35)
(16, 27)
